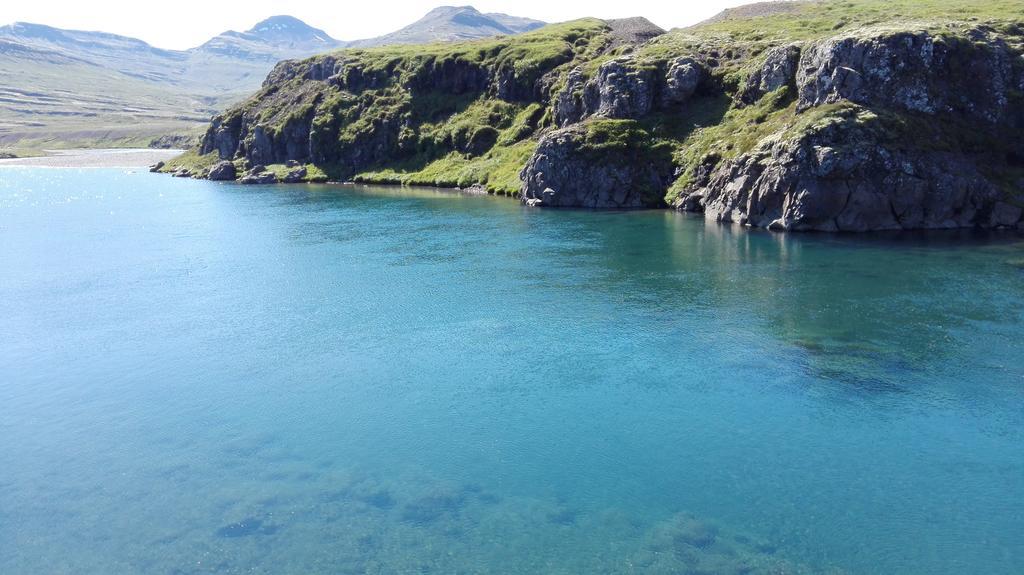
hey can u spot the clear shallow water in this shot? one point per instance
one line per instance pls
(208, 378)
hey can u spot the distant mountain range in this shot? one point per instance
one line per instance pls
(62, 87)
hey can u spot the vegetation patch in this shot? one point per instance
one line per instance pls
(497, 171)
(192, 161)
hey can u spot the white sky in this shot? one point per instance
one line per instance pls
(181, 24)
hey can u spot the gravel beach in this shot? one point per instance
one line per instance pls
(91, 158)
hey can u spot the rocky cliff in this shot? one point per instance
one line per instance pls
(816, 117)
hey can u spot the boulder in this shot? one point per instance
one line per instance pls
(222, 171)
(157, 166)
(222, 136)
(681, 81)
(621, 90)
(1005, 215)
(258, 175)
(475, 190)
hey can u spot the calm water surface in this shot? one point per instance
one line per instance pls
(208, 378)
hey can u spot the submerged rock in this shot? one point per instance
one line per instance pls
(686, 544)
(245, 528)
(433, 507)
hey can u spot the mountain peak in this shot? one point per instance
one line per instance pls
(449, 10)
(288, 29)
(447, 23)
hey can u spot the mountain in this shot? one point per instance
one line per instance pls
(452, 23)
(128, 56)
(273, 39)
(62, 87)
(804, 116)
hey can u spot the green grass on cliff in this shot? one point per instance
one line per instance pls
(497, 171)
(191, 160)
(544, 47)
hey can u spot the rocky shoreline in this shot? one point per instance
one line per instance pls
(879, 127)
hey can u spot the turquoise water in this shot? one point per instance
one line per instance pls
(208, 378)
